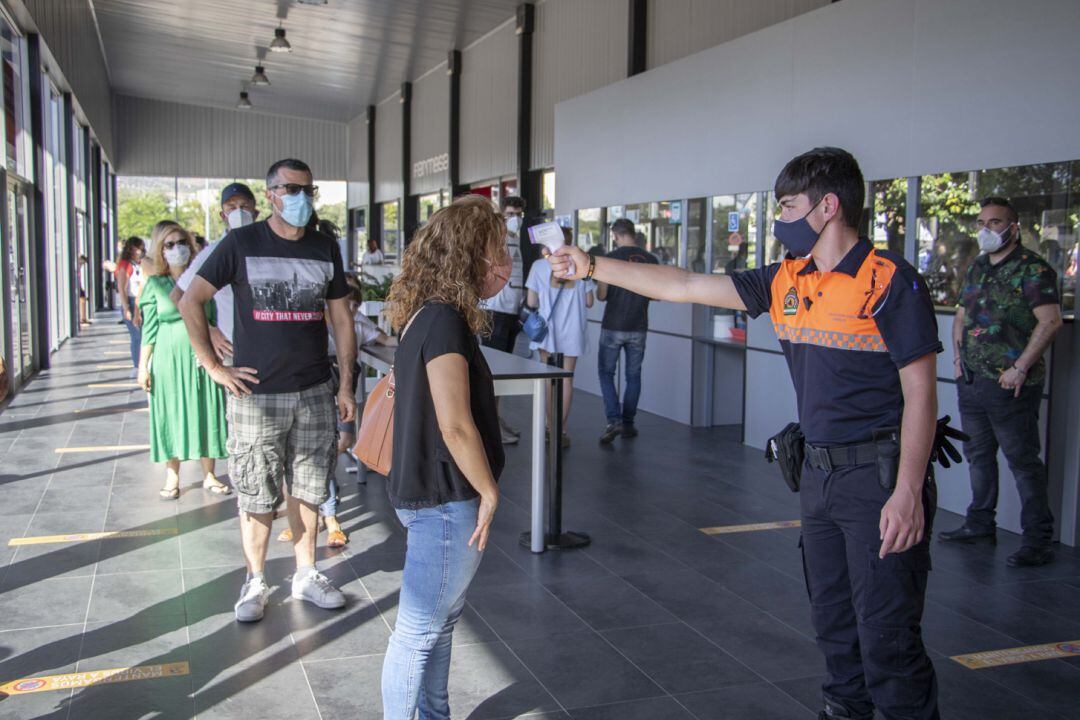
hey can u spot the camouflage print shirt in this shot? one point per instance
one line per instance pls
(998, 302)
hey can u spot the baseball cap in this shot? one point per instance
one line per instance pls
(233, 189)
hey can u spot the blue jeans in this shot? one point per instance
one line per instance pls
(633, 344)
(995, 418)
(439, 565)
(133, 332)
(329, 508)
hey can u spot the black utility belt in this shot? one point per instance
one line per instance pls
(790, 450)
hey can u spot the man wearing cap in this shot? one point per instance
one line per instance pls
(237, 210)
(623, 330)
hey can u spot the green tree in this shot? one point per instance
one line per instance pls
(334, 213)
(138, 212)
(192, 216)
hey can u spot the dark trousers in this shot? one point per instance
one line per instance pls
(866, 611)
(994, 418)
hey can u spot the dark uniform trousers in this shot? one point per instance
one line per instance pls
(866, 611)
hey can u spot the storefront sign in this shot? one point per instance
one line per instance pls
(431, 166)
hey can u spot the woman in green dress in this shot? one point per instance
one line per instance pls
(187, 408)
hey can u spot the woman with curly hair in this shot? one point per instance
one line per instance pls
(187, 409)
(447, 453)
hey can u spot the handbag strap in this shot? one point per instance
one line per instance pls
(554, 304)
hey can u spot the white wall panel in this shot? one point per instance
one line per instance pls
(388, 149)
(578, 47)
(163, 138)
(356, 171)
(677, 28)
(489, 106)
(883, 78)
(430, 132)
(67, 30)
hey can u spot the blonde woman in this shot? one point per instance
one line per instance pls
(447, 447)
(187, 409)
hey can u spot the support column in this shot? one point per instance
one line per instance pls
(67, 133)
(39, 294)
(530, 184)
(102, 298)
(637, 46)
(453, 70)
(374, 219)
(408, 211)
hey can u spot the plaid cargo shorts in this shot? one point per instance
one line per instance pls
(282, 441)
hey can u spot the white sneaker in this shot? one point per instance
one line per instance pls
(508, 438)
(253, 597)
(316, 589)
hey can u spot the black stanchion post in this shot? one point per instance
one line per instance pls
(556, 539)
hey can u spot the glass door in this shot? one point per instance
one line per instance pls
(18, 251)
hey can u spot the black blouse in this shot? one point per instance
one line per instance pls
(423, 473)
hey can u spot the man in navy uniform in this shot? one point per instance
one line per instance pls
(858, 330)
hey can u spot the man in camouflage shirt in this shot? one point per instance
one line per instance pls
(1006, 319)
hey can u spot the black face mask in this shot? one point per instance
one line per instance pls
(797, 235)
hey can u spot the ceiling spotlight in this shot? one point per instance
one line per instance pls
(259, 78)
(244, 103)
(279, 44)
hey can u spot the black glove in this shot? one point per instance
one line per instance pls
(943, 449)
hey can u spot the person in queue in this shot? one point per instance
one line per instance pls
(1006, 319)
(128, 283)
(285, 277)
(187, 411)
(237, 210)
(505, 307)
(447, 454)
(564, 304)
(623, 331)
(858, 330)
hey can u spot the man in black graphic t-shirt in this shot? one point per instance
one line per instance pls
(623, 330)
(286, 277)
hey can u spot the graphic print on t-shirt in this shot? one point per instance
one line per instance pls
(288, 290)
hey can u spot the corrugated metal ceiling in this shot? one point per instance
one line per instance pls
(346, 54)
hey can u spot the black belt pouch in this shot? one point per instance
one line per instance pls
(887, 442)
(788, 449)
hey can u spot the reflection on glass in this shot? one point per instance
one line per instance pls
(888, 213)
(696, 250)
(734, 219)
(589, 228)
(429, 204)
(549, 193)
(774, 250)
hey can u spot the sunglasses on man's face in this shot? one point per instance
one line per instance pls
(294, 189)
(173, 243)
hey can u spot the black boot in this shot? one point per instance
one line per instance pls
(1031, 557)
(968, 535)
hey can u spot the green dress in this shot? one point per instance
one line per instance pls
(187, 408)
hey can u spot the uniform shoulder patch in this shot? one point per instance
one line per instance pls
(791, 302)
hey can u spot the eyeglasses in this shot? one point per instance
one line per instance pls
(294, 189)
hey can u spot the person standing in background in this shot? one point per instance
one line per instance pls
(1006, 319)
(623, 331)
(187, 411)
(128, 283)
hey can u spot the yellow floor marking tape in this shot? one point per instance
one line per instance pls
(113, 385)
(1012, 656)
(100, 448)
(120, 366)
(119, 342)
(107, 411)
(725, 529)
(83, 537)
(116, 353)
(25, 686)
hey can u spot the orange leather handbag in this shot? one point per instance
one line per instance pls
(375, 438)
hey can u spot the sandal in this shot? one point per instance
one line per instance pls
(171, 491)
(285, 536)
(215, 486)
(335, 537)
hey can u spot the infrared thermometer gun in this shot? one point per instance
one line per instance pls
(549, 235)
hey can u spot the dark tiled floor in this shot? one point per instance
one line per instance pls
(654, 620)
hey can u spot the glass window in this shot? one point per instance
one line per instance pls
(735, 231)
(696, 216)
(391, 231)
(946, 242)
(330, 203)
(548, 205)
(16, 91)
(888, 214)
(429, 204)
(657, 225)
(774, 250)
(590, 228)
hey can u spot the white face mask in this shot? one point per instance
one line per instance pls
(513, 224)
(990, 241)
(238, 218)
(178, 256)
